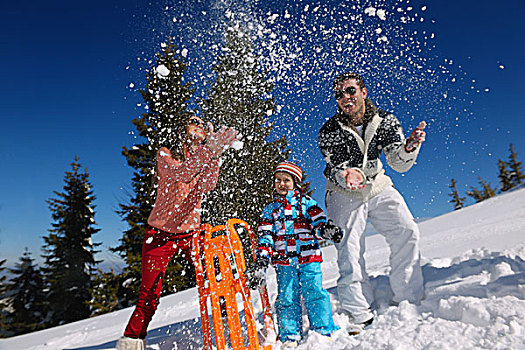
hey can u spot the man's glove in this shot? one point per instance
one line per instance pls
(256, 273)
(331, 232)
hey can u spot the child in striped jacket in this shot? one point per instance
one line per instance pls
(289, 230)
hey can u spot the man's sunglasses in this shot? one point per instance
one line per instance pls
(197, 122)
(351, 90)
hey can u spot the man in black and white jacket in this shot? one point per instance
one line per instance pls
(357, 189)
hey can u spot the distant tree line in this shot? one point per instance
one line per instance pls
(60, 291)
(510, 175)
(69, 286)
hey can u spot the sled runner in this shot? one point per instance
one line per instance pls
(219, 266)
(269, 336)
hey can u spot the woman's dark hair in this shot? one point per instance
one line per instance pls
(178, 143)
(177, 147)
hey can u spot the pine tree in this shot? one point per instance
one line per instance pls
(68, 250)
(486, 191)
(4, 332)
(240, 97)
(457, 200)
(516, 174)
(166, 96)
(504, 176)
(27, 297)
(305, 185)
(105, 293)
(476, 194)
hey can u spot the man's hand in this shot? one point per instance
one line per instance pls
(417, 137)
(354, 179)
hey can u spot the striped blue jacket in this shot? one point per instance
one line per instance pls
(289, 228)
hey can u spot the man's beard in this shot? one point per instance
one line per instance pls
(356, 118)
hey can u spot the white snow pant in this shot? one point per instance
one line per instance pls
(390, 216)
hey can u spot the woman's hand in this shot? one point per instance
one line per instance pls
(219, 141)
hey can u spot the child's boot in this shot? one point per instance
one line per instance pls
(290, 344)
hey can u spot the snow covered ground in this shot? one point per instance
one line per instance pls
(474, 270)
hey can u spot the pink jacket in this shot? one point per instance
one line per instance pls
(180, 189)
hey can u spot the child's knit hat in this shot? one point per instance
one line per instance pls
(292, 169)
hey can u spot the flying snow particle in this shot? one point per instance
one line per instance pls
(371, 11)
(162, 71)
(273, 17)
(131, 85)
(501, 66)
(237, 145)
(184, 52)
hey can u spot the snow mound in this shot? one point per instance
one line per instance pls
(474, 295)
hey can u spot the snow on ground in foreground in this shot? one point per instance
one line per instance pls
(474, 270)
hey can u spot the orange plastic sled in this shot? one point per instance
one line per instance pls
(220, 266)
(270, 336)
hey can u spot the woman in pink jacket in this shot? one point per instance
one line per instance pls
(182, 180)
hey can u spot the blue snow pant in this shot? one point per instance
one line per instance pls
(292, 281)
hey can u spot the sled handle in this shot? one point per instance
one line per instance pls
(196, 251)
(253, 239)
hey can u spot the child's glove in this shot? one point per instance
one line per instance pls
(256, 273)
(331, 232)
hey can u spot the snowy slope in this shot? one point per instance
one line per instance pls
(474, 270)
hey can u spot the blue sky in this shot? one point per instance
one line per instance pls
(67, 67)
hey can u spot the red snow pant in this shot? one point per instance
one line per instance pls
(157, 250)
